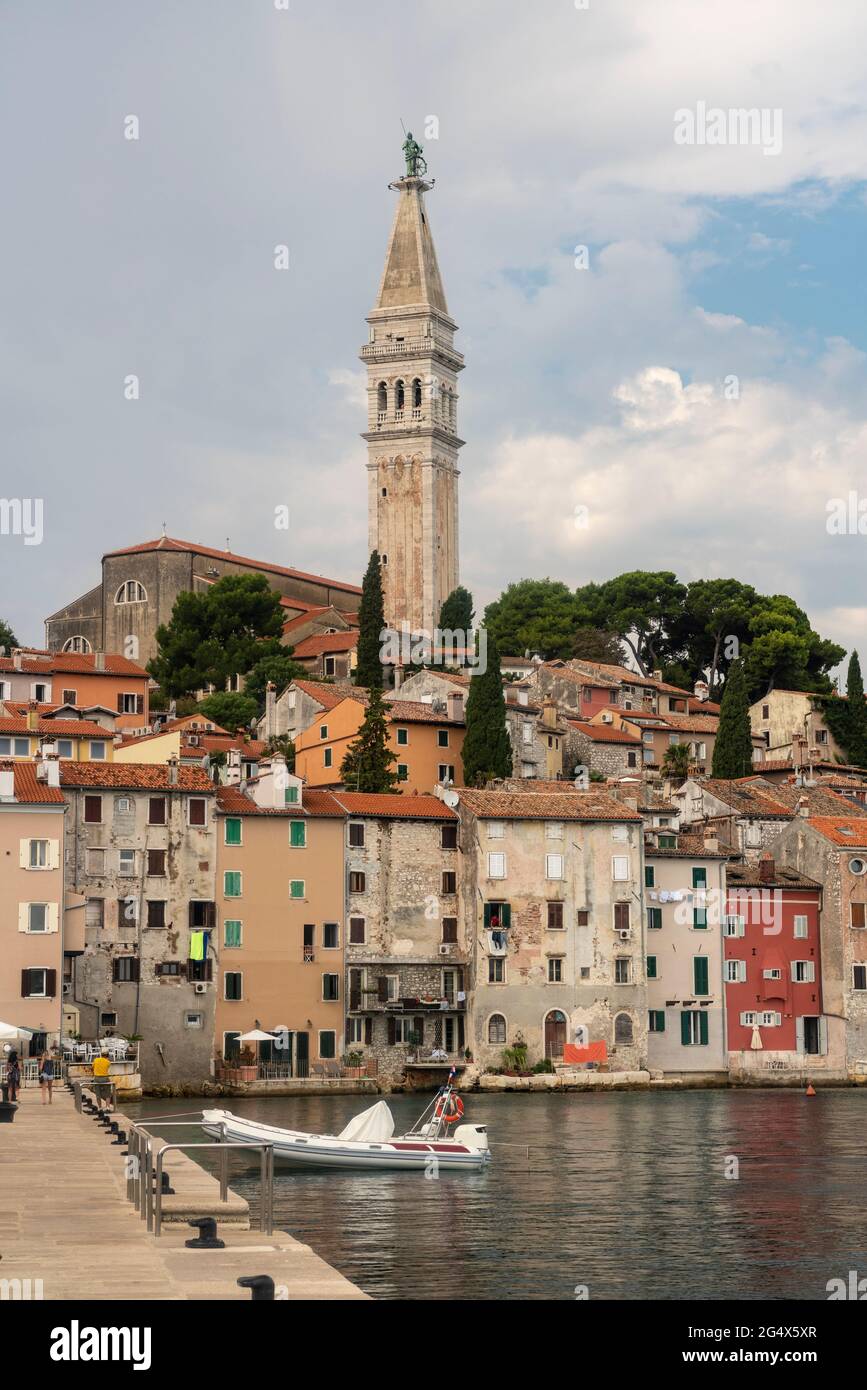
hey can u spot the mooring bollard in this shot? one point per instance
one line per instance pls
(121, 1137)
(262, 1286)
(166, 1189)
(207, 1238)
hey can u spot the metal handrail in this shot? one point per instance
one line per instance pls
(142, 1174)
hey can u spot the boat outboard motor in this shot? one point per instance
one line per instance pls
(474, 1136)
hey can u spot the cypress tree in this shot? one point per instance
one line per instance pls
(367, 766)
(733, 750)
(456, 615)
(847, 719)
(371, 621)
(487, 748)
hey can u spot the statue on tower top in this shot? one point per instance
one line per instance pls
(416, 164)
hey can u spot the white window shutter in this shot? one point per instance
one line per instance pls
(23, 916)
(799, 1034)
(54, 854)
(24, 854)
(52, 916)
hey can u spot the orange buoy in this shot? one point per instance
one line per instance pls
(809, 1091)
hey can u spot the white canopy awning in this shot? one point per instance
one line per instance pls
(10, 1033)
(256, 1035)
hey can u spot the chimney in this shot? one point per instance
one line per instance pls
(398, 677)
(657, 675)
(7, 784)
(549, 712)
(270, 730)
(99, 661)
(53, 773)
(701, 690)
(233, 767)
(172, 765)
(16, 659)
(711, 843)
(455, 704)
(767, 868)
(804, 806)
(32, 715)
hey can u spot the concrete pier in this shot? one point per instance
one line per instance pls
(65, 1221)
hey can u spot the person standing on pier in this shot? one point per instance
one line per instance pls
(101, 1084)
(13, 1074)
(46, 1076)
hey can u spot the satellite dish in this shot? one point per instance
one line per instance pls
(451, 798)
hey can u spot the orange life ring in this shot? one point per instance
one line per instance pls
(449, 1111)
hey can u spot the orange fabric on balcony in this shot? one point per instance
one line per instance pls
(594, 1052)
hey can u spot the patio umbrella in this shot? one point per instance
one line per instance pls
(256, 1035)
(10, 1033)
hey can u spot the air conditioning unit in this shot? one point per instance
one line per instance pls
(625, 933)
(67, 986)
(446, 949)
(200, 987)
(193, 739)
(606, 717)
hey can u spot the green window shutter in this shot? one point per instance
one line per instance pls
(506, 916)
(700, 974)
(651, 967)
(685, 1034)
(702, 1028)
(699, 918)
(233, 933)
(487, 916)
(699, 878)
(649, 875)
(297, 834)
(291, 795)
(233, 830)
(660, 1020)
(296, 888)
(232, 884)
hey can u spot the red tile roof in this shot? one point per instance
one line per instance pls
(169, 543)
(330, 695)
(603, 733)
(319, 642)
(57, 728)
(69, 663)
(417, 712)
(850, 831)
(315, 802)
(748, 876)
(391, 806)
(575, 805)
(134, 777)
(28, 789)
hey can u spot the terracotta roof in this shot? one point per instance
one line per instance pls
(134, 777)
(316, 802)
(28, 789)
(329, 695)
(58, 728)
(391, 806)
(623, 676)
(688, 723)
(534, 785)
(580, 677)
(319, 642)
(688, 847)
(575, 805)
(301, 618)
(748, 876)
(417, 712)
(67, 663)
(850, 830)
(695, 706)
(604, 733)
(169, 543)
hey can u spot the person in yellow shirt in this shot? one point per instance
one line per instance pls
(101, 1067)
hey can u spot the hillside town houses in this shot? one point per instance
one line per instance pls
(192, 888)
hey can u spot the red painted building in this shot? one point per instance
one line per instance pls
(772, 960)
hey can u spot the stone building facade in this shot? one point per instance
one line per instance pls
(140, 584)
(141, 849)
(406, 959)
(551, 887)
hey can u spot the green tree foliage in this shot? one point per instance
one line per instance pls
(367, 766)
(592, 644)
(282, 743)
(456, 614)
(534, 615)
(676, 761)
(220, 633)
(7, 637)
(229, 709)
(643, 608)
(280, 669)
(713, 627)
(784, 652)
(733, 750)
(371, 622)
(487, 750)
(847, 719)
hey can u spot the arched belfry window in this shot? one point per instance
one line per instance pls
(398, 395)
(416, 394)
(382, 398)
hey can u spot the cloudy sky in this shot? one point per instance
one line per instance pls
(697, 381)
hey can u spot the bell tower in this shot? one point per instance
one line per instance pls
(412, 439)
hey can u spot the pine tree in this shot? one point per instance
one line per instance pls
(847, 719)
(456, 613)
(733, 750)
(371, 621)
(487, 748)
(367, 764)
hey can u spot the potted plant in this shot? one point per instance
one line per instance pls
(353, 1064)
(247, 1069)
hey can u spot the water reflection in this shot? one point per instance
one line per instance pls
(624, 1193)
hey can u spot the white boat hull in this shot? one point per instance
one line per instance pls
(410, 1151)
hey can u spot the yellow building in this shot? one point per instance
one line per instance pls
(74, 740)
